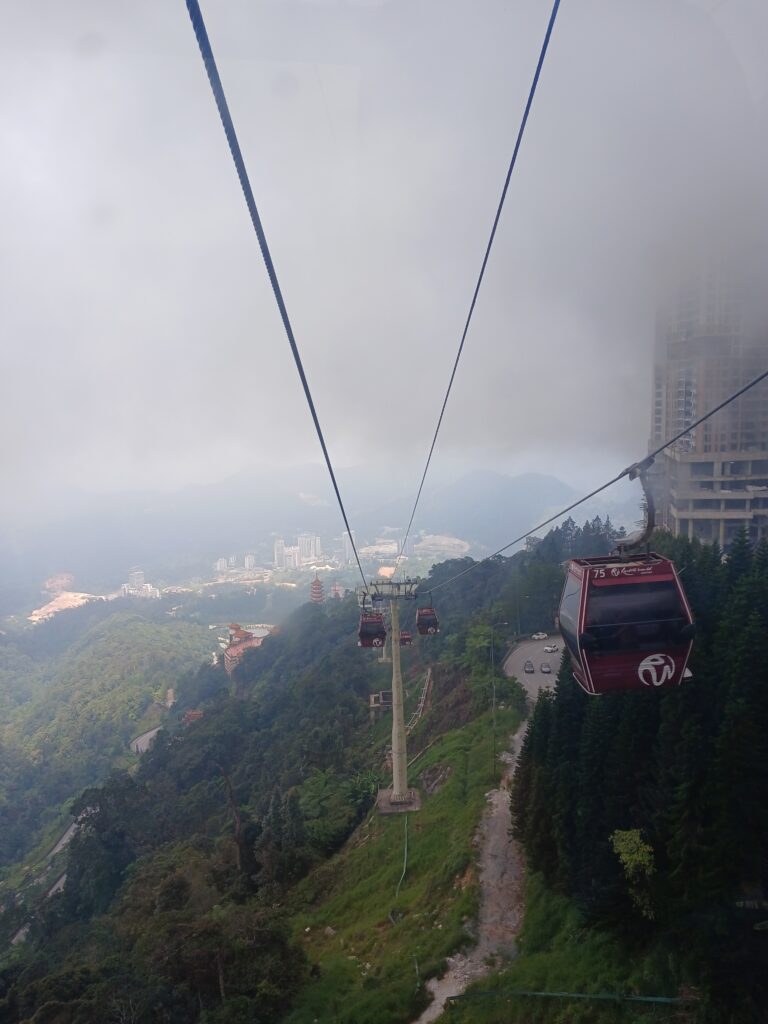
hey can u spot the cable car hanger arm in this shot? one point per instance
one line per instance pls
(639, 471)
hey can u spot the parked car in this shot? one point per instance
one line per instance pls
(545, 667)
(550, 649)
(528, 666)
(539, 636)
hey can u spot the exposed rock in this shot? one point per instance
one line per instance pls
(432, 779)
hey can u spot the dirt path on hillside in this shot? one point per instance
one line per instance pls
(501, 897)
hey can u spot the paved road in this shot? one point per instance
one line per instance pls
(533, 650)
(142, 743)
(64, 840)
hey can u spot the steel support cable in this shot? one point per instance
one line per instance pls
(196, 17)
(483, 266)
(625, 472)
(405, 859)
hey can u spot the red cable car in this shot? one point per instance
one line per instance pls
(372, 632)
(625, 618)
(626, 623)
(427, 622)
(406, 638)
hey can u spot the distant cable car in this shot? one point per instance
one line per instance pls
(625, 618)
(406, 638)
(427, 621)
(372, 632)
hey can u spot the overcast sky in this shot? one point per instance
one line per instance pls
(141, 346)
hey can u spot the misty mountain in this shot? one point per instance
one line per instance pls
(177, 534)
(487, 509)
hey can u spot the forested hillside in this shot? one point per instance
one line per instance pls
(73, 694)
(649, 812)
(189, 853)
(228, 814)
(193, 879)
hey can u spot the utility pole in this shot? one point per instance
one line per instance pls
(399, 753)
(525, 597)
(493, 707)
(399, 798)
(493, 684)
(384, 659)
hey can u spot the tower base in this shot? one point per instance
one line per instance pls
(386, 804)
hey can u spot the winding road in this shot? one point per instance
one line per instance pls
(141, 744)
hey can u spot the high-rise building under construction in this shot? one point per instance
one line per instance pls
(709, 342)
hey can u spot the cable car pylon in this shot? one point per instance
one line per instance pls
(400, 798)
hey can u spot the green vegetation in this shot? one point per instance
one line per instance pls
(373, 944)
(74, 695)
(650, 810)
(219, 822)
(238, 872)
(558, 953)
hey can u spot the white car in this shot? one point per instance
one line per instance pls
(539, 636)
(550, 649)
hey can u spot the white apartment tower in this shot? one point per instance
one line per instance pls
(348, 548)
(306, 547)
(135, 578)
(292, 557)
(279, 553)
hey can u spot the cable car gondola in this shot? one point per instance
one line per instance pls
(627, 624)
(372, 632)
(406, 638)
(625, 618)
(427, 622)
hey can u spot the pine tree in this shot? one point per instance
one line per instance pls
(532, 793)
(597, 870)
(569, 708)
(741, 758)
(739, 561)
(760, 559)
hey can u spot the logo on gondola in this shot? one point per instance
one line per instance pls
(656, 669)
(626, 570)
(378, 642)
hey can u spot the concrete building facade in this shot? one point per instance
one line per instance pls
(714, 480)
(279, 560)
(348, 547)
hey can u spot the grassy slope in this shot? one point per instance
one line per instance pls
(557, 954)
(368, 967)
